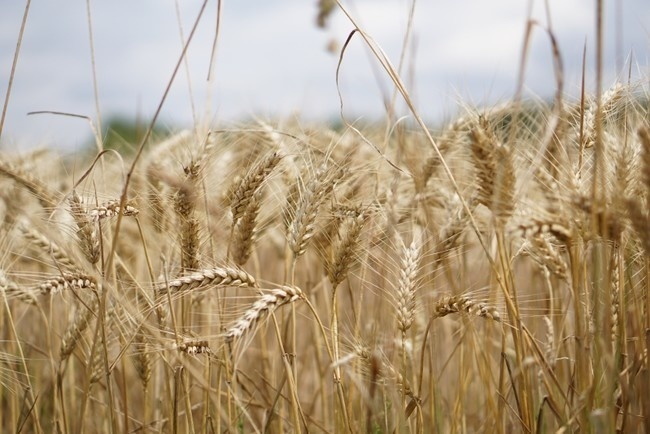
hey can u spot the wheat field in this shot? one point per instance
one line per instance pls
(291, 278)
(490, 275)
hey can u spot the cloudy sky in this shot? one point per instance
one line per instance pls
(272, 60)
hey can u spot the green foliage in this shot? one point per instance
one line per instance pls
(124, 134)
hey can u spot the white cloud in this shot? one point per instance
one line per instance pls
(271, 57)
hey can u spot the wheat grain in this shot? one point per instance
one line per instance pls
(111, 209)
(194, 347)
(608, 106)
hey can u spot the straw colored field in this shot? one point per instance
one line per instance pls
(492, 277)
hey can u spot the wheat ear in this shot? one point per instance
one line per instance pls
(77, 326)
(249, 185)
(407, 286)
(45, 196)
(111, 209)
(185, 206)
(51, 249)
(156, 197)
(87, 229)
(457, 304)
(224, 276)
(495, 171)
(264, 306)
(12, 290)
(644, 137)
(67, 281)
(346, 249)
(141, 358)
(194, 347)
(608, 105)
(243, 236)
(302, 227)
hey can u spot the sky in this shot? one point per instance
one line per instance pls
(272, 61)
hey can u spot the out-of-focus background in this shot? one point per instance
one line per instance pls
(273, 60)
